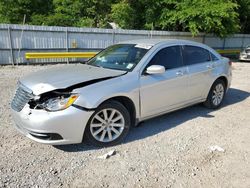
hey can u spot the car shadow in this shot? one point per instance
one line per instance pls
(165, 122)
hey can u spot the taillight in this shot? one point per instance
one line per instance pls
(230, 63)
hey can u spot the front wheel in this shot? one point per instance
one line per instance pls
(109, 125)
(216, 94)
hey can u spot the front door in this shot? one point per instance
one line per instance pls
(163, 92)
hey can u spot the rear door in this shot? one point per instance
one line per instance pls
(161, 92)
(200, 67)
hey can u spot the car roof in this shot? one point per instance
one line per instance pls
(153, 42)
(156, 42)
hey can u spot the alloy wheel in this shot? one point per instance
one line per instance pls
(218, 94)
(107, 125)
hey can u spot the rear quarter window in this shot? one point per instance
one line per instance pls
(213, 57)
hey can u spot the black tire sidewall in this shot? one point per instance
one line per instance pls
(117, 106)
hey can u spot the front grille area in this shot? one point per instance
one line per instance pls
(21, 98)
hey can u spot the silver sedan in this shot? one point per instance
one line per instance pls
(122, 85)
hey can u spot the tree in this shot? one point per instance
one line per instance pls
(214, 16)
(99, 11)
(244, 15)
(65, 13)
(221, 17)
(13, 11)
(88, 13)
(210, 16)
(123, 15)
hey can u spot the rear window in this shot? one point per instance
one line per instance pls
(194, 54)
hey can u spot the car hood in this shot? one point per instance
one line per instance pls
(64, 77)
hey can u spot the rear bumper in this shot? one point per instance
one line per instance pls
(55, 128)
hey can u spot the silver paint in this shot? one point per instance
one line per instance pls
(151, 95)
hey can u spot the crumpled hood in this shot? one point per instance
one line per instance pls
(66, 76)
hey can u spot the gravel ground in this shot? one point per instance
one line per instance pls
(172, 150)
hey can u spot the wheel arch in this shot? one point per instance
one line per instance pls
(127, 103)
(223, 78)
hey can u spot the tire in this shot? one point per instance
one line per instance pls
(216, 95)
(109, 125)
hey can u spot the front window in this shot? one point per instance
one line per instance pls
(169, 57)
(120, 57)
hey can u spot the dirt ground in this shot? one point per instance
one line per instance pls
(172, 150)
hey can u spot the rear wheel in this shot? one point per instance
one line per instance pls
(109, 125)
(216, 94)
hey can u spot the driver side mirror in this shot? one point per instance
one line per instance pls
(155, 69)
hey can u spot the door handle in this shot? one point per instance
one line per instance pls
(179, 73)
(210, 66)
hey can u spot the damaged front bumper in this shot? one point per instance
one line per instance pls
(55, 128)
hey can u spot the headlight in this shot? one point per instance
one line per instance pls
(59, 103)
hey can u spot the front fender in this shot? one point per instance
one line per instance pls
(92, 96)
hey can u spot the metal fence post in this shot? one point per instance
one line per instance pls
(11, 47)
(242, 42)
(204, 38)
(20, 44)
(224, 43)
(113, 36)
(67, 48)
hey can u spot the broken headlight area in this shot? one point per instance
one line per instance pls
(53, 101)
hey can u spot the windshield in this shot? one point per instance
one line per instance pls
(120, 57)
